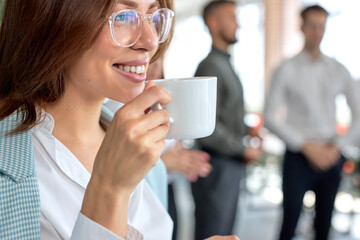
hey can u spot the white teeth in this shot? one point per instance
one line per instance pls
(139, 70)
(127, 68)
(133, 69)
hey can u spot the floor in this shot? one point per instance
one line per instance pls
(259, 212)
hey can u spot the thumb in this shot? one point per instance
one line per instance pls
(149, 84)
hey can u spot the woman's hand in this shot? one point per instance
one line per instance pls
(134, 140)
(132, 146)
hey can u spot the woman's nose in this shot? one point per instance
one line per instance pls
(148, 39)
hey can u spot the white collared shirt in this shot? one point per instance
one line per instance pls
(62, 183)
(300, 105)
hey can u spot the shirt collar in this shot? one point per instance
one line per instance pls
(221, 52)
(60, 154)
(46, 122)
(307, 57)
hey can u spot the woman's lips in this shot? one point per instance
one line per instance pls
(138, 69)
(134, 72)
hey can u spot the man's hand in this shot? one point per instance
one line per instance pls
(254, 133)
(252, 154)
(191, 163)
(321, 156)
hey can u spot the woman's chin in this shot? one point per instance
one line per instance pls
(128, 96)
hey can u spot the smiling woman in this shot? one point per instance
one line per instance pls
(64, 172)
(68, 168)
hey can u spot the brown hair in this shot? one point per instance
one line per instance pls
(39, 39)
(163, 46)
(313, 8)
(213, 5)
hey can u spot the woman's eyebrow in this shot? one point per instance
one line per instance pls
(154, 4)
(129, 3)
(134, 4)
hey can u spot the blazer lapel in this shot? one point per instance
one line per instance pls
(16, 151)
(19, 193)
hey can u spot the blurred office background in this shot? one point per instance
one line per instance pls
(269, 33)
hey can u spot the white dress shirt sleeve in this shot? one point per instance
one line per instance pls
(275, 112)
(87, 229)
(351, 92)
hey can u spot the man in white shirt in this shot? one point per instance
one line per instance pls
(300, 109)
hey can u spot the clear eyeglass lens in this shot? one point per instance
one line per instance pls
(162, 21)
(128, 26)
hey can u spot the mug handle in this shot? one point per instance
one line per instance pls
(157, 106)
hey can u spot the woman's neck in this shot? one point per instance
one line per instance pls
(75, 115)
(77, 125)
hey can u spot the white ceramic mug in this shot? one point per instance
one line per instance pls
(192, 108)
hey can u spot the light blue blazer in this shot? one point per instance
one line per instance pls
(19, 190)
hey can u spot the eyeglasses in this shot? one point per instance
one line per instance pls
(126, 26)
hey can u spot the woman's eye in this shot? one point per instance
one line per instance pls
(121, 17)
(126, 17)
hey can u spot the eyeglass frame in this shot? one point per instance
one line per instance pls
(148, 17)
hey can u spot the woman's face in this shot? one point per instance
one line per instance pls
(101, 71)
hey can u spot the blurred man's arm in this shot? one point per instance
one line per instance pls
(276, 110)
(351, 92)
(223, 139)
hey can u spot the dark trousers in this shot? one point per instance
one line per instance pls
(299, 177)
(216, 197)
(172, 209)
